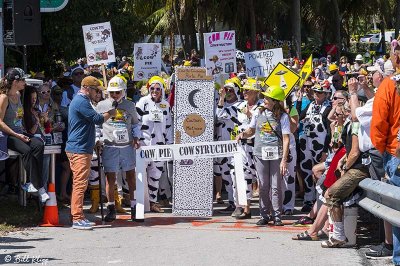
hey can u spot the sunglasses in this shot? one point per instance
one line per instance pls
(155, 89)
(115, 92)
(338, 98)
(79, 73)
(44, 92)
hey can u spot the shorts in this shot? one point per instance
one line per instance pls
(116, 159)
(344, 186)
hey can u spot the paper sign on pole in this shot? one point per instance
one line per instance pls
(261, 63)
(220, 52)
(147, 60)
(282, 76)
(305, 71)
(99, 43)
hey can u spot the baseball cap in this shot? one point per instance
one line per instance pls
(16, 74)
(90, 81)
(75, 68)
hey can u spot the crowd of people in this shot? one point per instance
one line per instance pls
(317, 143)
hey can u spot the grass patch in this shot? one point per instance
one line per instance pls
(15, 217)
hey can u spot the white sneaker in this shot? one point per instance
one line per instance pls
(28, 187)
(43, 195)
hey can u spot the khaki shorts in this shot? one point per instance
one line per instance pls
(344, 186)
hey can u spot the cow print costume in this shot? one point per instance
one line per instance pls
(313, 142)
(226, 118)
(246, 147)
(157, 130)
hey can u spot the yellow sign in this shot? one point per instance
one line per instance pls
(305, 71)
(282, 76)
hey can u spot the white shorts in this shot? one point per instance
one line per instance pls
(116, 159)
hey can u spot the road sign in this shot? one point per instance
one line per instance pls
(47, 5)
(282, 76)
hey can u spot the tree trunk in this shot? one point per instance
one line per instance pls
(178, 24)
(296, 26)
(338, 18)
(383, 42)
(252, 25)
(397, 27)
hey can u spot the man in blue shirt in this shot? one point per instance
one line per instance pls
(82, 119)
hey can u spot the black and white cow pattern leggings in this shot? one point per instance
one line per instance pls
(249, 170)
(310, 154)
(154, 171)
(222, 167)
(289, 181)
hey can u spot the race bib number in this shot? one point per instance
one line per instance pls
(121, 135)
(156, 115)
(270, 153)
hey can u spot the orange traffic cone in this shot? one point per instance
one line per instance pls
(50, 216)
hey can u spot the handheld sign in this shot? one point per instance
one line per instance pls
(305, 71)
(99, 43)
(220, 52)
(282, 76)
(261, 63)
(147, 58)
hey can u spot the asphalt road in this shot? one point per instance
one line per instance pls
(167, 240)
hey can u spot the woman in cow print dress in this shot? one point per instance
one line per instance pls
(226, 117)
(315, 140)
(271, 128)
(245, 111)
(155, 116)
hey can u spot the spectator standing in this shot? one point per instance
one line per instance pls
(384, 130)
(77, 74)
(82, 119)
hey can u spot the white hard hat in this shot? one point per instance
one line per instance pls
(359, 57)
(116, 84)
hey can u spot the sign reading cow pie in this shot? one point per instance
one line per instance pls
(220, 52)
(99, 43)
(147, 57)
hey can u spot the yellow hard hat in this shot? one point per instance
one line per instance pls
(333, 67)
(251, 84)
(275, 92)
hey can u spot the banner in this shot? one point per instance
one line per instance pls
(305, 71)
(99, 43)
(261, 63)
(147, 60)
(189, 151)
(282, 76)
(220, 52)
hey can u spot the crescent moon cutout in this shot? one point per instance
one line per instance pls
(191, 98)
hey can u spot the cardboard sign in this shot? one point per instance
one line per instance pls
(99, 43)
(147, 60)
(261, 63)
(193, 73)
(305, 71)
(220, 52)
(282, 76)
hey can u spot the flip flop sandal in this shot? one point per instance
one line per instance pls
(333, 243)
(305, 237)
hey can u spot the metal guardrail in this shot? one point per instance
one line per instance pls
(381, 199)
